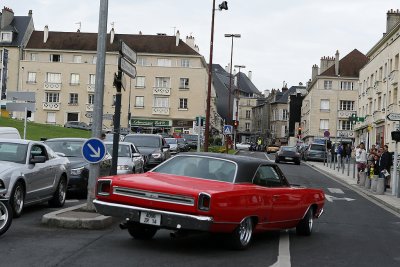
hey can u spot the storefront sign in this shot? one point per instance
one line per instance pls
(150, 123)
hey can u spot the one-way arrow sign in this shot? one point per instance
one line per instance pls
(393, 116)
(332, 198)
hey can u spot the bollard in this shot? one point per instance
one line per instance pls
(374, 182)
(354, 169)
(380, 186)
(367, 184)
(348, 167)
(362, 178)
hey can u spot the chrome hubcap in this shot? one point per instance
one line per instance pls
(62, 191)
(3, 215)
(310, 223)
(18, 199)
(245, 231)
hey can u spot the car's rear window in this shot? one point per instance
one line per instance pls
(70, 148)
(143, 140)
(317, 147)
(200, 167)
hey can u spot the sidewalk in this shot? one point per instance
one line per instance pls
(387, 199)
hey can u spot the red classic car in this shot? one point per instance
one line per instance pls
(212, 192)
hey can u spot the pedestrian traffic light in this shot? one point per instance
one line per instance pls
(299, 132)
(28, 113)
(235, 124)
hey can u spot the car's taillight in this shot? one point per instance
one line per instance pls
(103, 187)
(204, 202)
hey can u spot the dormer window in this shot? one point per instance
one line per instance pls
(6, 37)
(55, 58)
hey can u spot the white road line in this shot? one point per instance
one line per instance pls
(266, 155)
(336, 190)
(71, 200)
(284, 251)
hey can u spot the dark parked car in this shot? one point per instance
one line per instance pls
(183, 145)
(77, 125)
(153, 147)
(191, 139)
(288, 154)
(72, 149)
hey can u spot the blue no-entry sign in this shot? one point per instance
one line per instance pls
(93, 150)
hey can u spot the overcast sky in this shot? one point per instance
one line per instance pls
(281, 40)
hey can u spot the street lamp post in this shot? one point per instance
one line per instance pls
(223, 5)
(237, 100)
(229, 121)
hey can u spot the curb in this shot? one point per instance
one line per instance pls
(358, 189)
(75, 218)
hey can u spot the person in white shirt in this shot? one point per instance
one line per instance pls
(361, 160)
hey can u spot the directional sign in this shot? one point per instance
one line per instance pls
(129, 53)
(93, 150)
(393, 116)
(128, 68)
(228, 129)
(332, 198)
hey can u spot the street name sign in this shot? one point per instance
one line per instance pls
(93, 150)
(128, 68)
(393, 116)
(129, 53)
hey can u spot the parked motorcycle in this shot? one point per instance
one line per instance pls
(5, 215)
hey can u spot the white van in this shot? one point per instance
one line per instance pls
(9, 133)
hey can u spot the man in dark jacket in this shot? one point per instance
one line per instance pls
(385, 162)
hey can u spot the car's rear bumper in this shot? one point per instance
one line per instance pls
(169, 220)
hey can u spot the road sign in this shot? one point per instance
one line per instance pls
(129, 53)
(228, 129)
(93, 150)
(393, 116)
(327, 134)
(21, 96)
(20, 106)
(128, 68)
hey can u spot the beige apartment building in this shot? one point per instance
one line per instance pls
(378, 94)
(332, 98)
(167, 95)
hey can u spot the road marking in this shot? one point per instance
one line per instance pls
(266, 155)
(284, 251)
(336, 190)
(332, 198)
(71, 200)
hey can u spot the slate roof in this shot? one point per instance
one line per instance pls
(349, 66)
(19, 25)
(284, 97)
(153, 44)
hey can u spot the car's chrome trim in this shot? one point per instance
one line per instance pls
(169, 220)
(155, 196)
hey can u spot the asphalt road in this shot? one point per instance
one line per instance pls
(353, 231)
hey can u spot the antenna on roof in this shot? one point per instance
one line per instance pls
(112, 24)
(80, 25)
(174, 30)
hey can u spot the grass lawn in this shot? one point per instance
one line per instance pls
(35, 131)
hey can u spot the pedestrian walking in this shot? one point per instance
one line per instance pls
(385, 162)
(361, 160)
(348, 153)
(339, 153)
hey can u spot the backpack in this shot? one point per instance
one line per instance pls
(340, 150)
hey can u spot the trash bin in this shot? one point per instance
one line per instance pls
(367, 184)
(363, 175)
(374, 182)
(380, 186)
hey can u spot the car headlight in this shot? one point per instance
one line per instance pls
(156, 155)
(123, 167)
(77, 171)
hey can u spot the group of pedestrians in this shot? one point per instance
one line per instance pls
(342, 152)
(377, 162)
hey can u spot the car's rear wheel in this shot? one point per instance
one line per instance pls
(304, 227)
(60, 194)
(17, 199)
(241, 236)
(5, 216)
(140, 231)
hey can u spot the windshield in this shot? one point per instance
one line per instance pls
(70, 148)
(199, 167)
(171, 141)
(13, 152)
(289, 148)
(123, 150)
(191, 137)
(144, 140)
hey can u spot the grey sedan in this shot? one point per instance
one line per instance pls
(30, 173)
(129, 158)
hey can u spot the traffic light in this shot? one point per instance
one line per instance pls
(235, 124)
(28, 113)
(299, 132)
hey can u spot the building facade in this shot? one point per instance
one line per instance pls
(332, 98)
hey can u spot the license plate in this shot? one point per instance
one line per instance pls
(150, 218)
(288, 158)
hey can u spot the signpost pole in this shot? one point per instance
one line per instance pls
(199, 133)
(26, 111)
(395, 182)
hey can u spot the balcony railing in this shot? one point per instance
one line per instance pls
(52, 86)
(51, 105)
(89, 107)
(91, 87)
(344, 114)
(161, 91)
(160, 111)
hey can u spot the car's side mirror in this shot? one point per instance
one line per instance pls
(60, 154)
(37, 159)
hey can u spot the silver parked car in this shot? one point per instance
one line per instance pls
(173, 145)
(30, 173)
(129, 158)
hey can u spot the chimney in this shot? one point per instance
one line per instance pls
(392, 18)
(266, 93)
(178, 37)
(337, 63)
(228, 68)
(7, 17)
(140, 33)
(314, 71)
(45, 34)
(30, 13)
(326, 63)
(112, 35)
(250, 75)
(190, 41)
